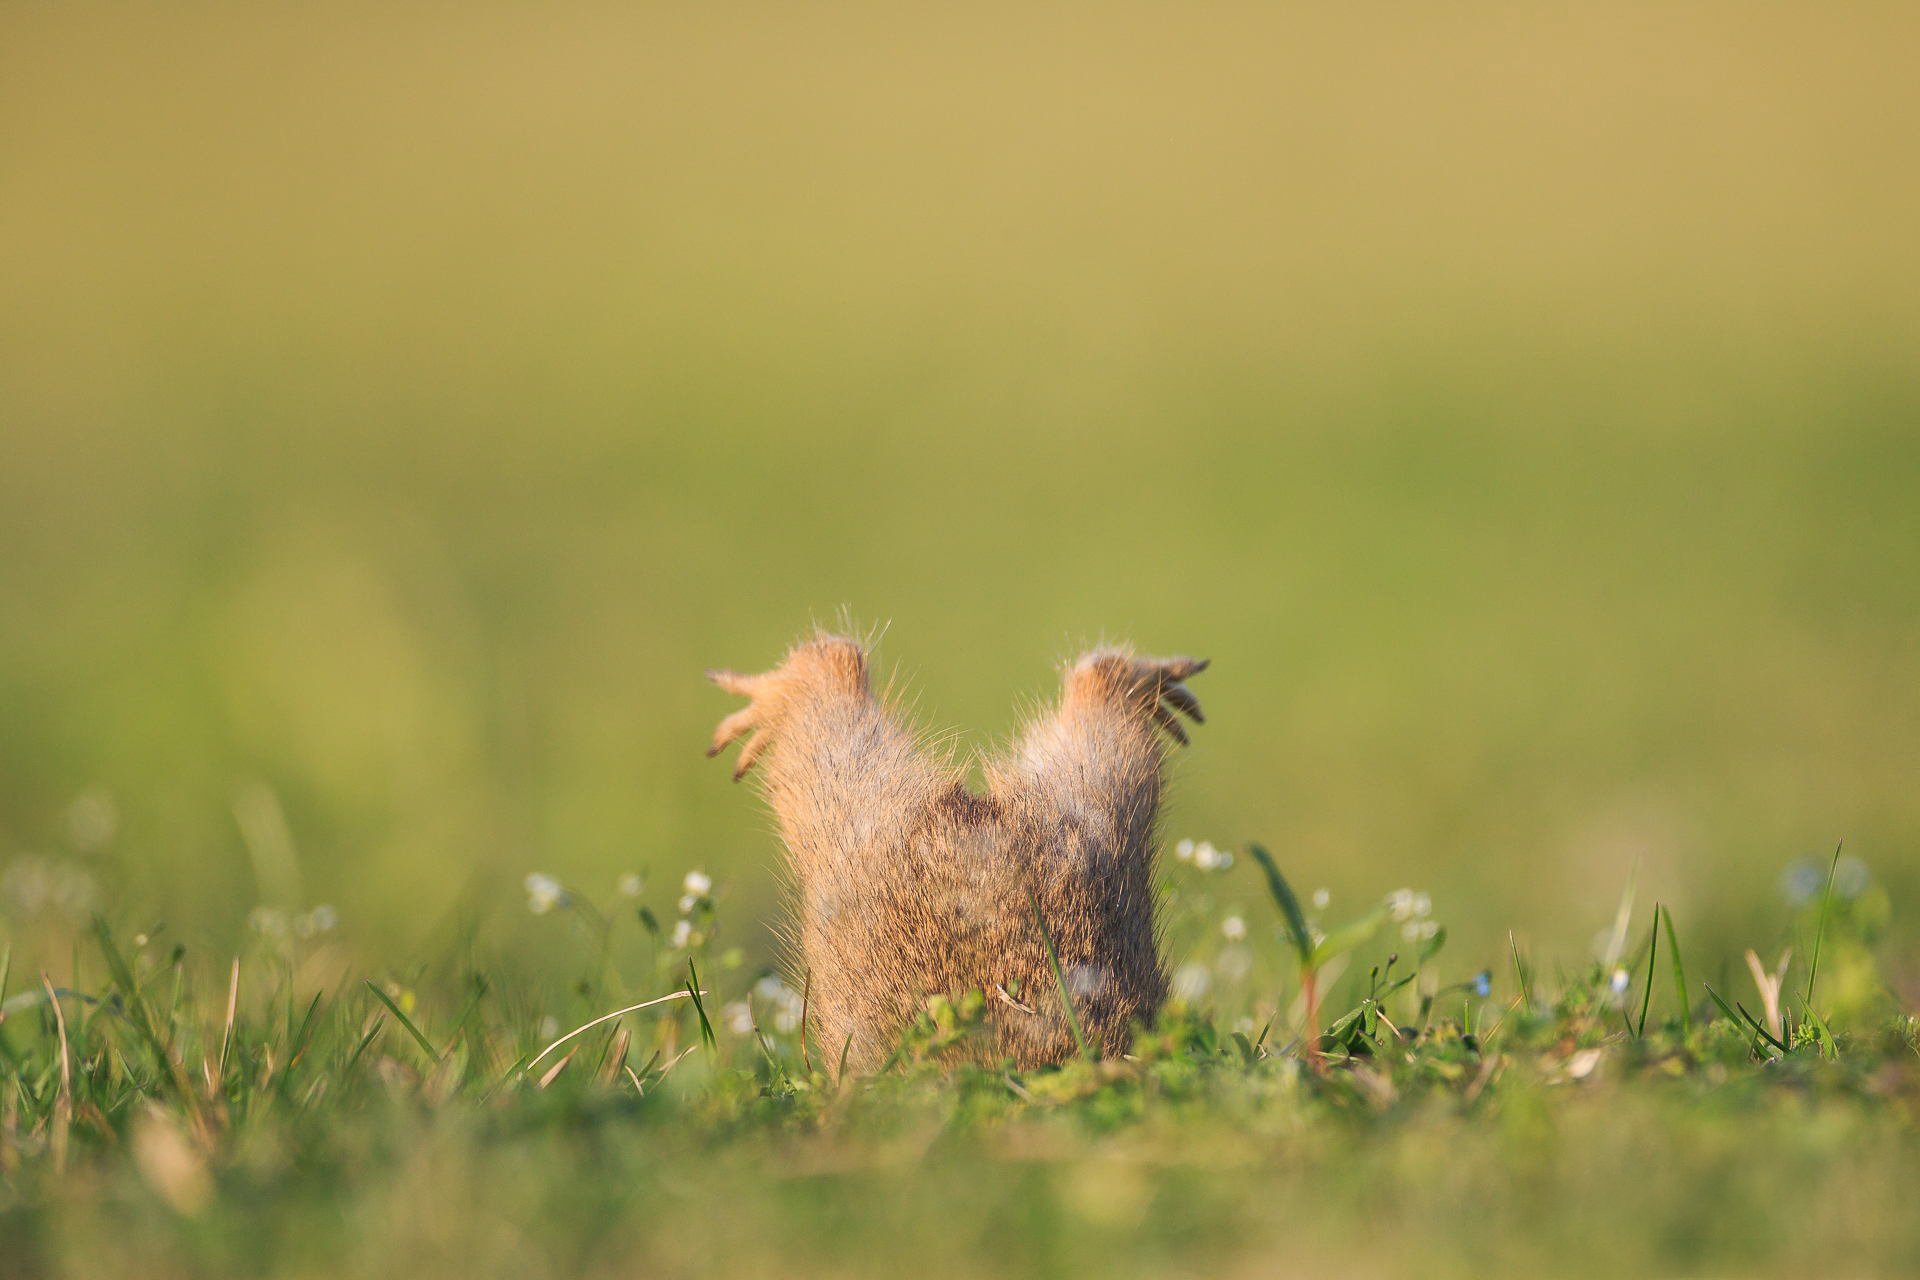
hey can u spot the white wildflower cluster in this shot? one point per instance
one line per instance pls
(544, 893)
(1192, 982)
(696, 908)
(280, 925)
(1202, 855)
(1234, 963)
(34, 886)
(631, 885)
(1233, 928)
(1413, 912)
(785, 1003)
(92, 820)
(781, 1006)
(695, 888)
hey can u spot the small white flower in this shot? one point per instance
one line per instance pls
(269, 922)
(1400, 905)
(1320, 899)
(320, 920)
(1184, 851)
(1233, 928)
(544, 893)
(1234, 963)
(682, 933)
(1422, 906)
(632, 885)
(786, 1017)
(1191, 981)
(697, 883)
(687, 903)
(1619, 982)
(36, 885)
(92, 819)
(737, 1017)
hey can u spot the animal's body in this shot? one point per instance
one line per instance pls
(910, 885)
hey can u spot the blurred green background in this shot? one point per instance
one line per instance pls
(400, 405)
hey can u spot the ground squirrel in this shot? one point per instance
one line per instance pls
(911, 885)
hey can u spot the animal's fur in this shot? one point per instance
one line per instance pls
(911, 885)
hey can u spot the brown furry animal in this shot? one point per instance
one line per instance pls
(910, 885)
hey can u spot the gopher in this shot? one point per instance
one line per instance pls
(909, 885)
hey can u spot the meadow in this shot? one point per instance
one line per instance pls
(399, 409)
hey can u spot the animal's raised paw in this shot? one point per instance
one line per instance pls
(1157, 685)
(748, 720)
(823, 662)
(1165, 677)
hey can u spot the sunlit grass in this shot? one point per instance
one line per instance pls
(223, 1115)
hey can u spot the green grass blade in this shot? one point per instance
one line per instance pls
(1732, 1017)
(1679, 972)
(140, 1013)
(1754, 1022)
(1820, 933)
(1060, 981)
(1520, 971)
(1653, 951)
(300, 1037)
(405, 1021)
(699, 1007)
(1289, 904)
(373, 1032)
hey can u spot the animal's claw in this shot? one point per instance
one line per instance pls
(749, 753)
(1181, 699)
(1163, 677)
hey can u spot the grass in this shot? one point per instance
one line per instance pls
(164, 1114)
(397, 414)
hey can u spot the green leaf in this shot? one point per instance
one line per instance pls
(1346, 937)
(1820, 933)
(1289, 904)
(405, 1021)
(699, 1007)
(1679, 971)
(1653, 950)
(1828, 1049)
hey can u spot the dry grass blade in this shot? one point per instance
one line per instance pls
(607, 1017)
(226, 1037)
(555, 1070)
(63, 1104)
